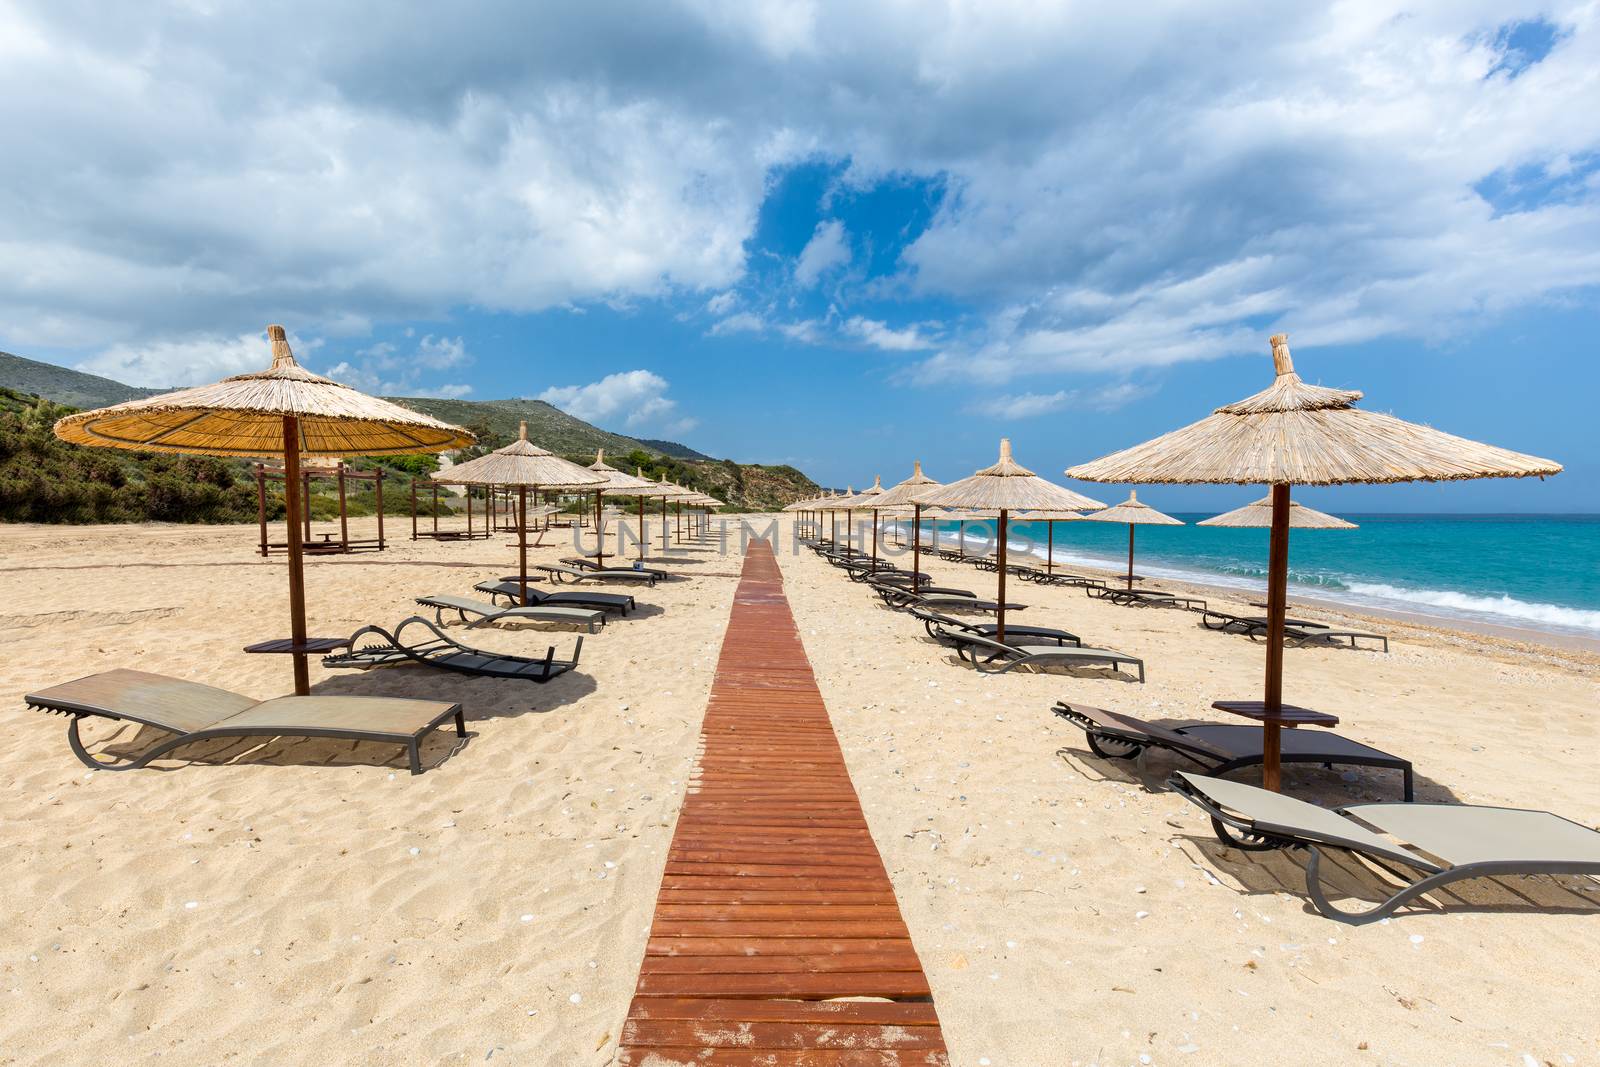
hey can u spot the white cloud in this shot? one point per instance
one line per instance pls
(1134, 185)
(882, 335)
(382, 368)
(158, 364)
(636, 397)
(1031, 405)
(828, 248)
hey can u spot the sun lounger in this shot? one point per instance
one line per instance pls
(1447, 842)
(1221, 747)
(992, 657)
(489, 614)
(511, 589)
(561, 573)
(1295, 631)
(194, 712)
(434, 649)
(1061, 578)
(881, 582)
(938, 626)
(1145, 598)
(901, 599)
(583, 564)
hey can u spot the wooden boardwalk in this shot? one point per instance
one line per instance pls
(775, 905)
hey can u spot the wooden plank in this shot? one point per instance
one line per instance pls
(774, 903)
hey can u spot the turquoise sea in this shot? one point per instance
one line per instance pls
(1535, 571)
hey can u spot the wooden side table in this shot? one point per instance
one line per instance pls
(1272, 721)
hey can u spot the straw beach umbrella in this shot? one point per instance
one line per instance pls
(1292, 433)
(1134, 512)
(1258, 515)
(867, 500)
(1005, 487)
(527, 466)
(618, 483)
(283, 411)
(905, 493)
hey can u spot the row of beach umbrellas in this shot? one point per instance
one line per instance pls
(1288, 434)
(287, 411)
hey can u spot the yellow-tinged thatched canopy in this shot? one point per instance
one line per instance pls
(866, 500)
(521, 463)
(1259, 514)
(1134, 512)
(1007, 484)
(618, 483)
(1292, 433)
(243, 416)
(903, 495)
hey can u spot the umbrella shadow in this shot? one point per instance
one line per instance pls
(1352, 883)
(1315, 783)
(480, 699)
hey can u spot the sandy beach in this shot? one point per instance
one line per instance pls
(309, 901)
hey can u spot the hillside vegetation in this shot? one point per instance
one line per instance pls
(44, 479)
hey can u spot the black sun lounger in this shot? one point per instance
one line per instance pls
(433, 648)
(194, 712)
(584, 564)
(901, 599)
(560, 573)
(1145, 598)
(1443, 842)
(1221, 747)
(938, 627)
(1295, 631)
(992, 657)
(1039, 577)
(489, 614)
(511, 589)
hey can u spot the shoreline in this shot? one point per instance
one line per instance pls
(1447, 624)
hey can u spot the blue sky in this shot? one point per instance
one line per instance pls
(838, 236)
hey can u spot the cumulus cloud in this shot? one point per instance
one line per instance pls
(828, 248)
(880, 334)
(1134, 185)
(387, 369)
(1031, 405)
(636, 397)
(158, 364)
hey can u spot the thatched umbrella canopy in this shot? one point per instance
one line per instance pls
(867, 500)
(904, 494)
(1005, 487)
(524, 465)
(1259, 515)
(1292, 433)
(618, 483)
(1134, 512)
(285, 411)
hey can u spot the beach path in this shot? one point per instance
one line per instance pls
(775, 905)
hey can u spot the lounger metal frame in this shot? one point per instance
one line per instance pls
(1216, 762)
(444, 652)
(1255, 840)
(412, 742)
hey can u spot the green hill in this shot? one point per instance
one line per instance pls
(43, 479)
(73, 388)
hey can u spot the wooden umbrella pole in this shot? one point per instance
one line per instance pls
(916, 544)
(1277, 606)
(874, 538)
(1000, 616)
(344, 516)
(522, 539)
(1049, 546)
(1130, 555)
(665, 527)
(641, 527)
(297, 576)
(435, 510)
(599, 530)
